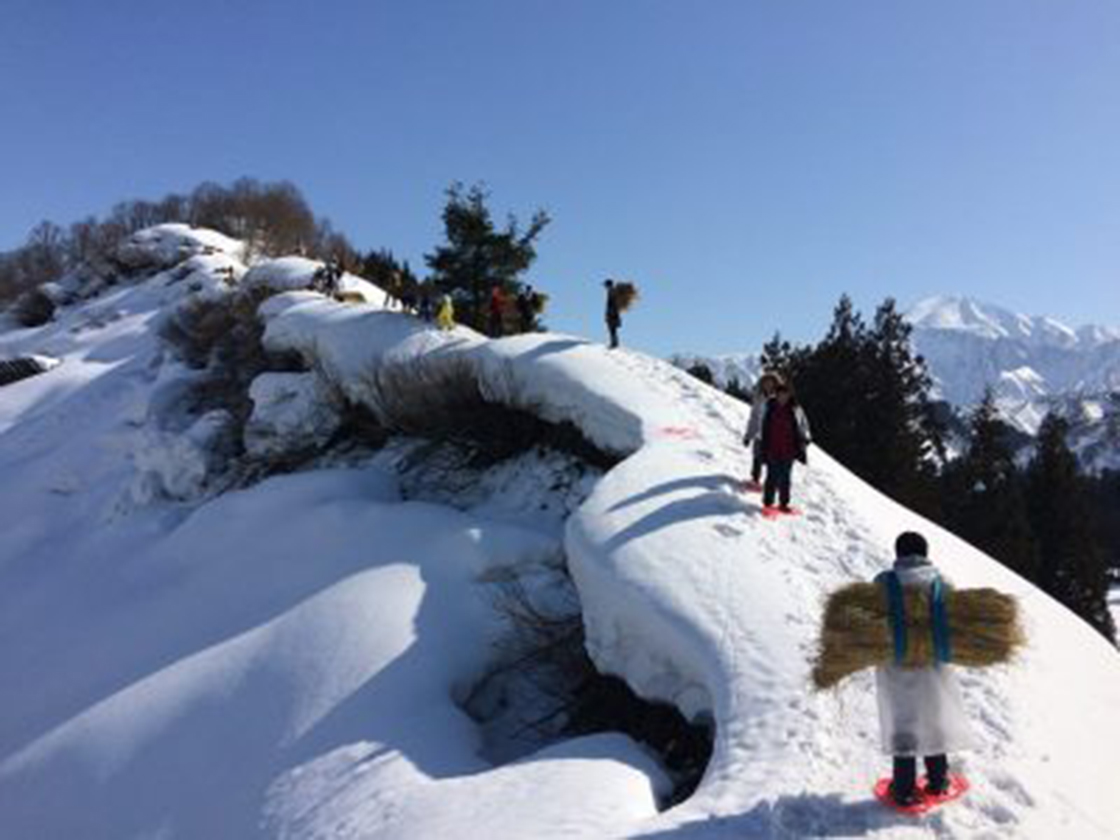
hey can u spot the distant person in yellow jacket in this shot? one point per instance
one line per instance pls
(445, 317)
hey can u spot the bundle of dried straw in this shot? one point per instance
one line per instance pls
(984, 630)
(625, 295)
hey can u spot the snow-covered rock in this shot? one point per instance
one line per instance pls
(179, 465)
(283, 274)
(291, 411)
(163, 246)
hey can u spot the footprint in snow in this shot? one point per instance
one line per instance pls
(727, 531)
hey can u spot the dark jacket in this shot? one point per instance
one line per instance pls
(614, 317)
(775, 444)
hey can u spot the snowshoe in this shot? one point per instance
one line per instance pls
(924, 801)
(774, 512)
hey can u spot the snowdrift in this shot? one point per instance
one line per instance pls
(282, 660)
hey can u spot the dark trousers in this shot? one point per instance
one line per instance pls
(756, 462)
(613, 329)
(777, 481)
(906, 770)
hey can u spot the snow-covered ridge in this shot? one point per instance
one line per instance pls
(280, 661)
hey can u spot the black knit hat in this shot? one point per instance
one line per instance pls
(909, 544)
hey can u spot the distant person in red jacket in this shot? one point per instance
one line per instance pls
(785, 437)
(497, 310)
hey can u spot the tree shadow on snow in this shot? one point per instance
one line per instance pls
(802, 815)
(710, 481)
(712, 504)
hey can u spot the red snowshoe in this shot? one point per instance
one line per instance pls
(925, 800)
(773, 511)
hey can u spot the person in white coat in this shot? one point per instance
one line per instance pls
(920, 709)
(764, 389)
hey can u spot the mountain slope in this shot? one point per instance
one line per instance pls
(281, 660)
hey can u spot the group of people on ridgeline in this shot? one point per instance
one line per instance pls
(422, 302)
(777, 434)
(420, 299)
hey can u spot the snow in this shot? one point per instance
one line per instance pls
(283, 660)
(290, 411)
(286, 274)
(165, 245)
(283, 274)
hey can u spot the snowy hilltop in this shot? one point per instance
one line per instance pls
(242, 594)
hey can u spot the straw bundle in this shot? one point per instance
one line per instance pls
(855, 634)
(625, 295)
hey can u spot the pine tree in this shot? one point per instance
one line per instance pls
(985, 499)
(1072, 567)
(777, 356)
(477, 255)
(903, 454)
(702, 372)
(735, 388)
(832, 383)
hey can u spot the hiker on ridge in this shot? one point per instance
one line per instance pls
(425, 309)
(763, 390)
(497, 310)
(613, 314)
(785, 437)
(445, 315)
(920, 709)
(525, 308)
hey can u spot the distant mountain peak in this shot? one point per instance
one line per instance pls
(962, 314)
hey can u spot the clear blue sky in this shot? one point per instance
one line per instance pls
(744, 162)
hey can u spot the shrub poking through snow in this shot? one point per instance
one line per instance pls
(856, 631)
(222, 336)
(13, 370)
(33, 308)
(544, 677)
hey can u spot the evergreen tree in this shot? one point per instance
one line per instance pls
(382, 269)
(777, 356)
(702, 372)
(1072, 567)
(477, 255)
(903, 454)
(832, 383)
(738, 390)
(985, 499)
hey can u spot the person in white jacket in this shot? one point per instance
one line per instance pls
(763, 390)
(920, 709)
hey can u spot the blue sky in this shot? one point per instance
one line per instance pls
(744, 162)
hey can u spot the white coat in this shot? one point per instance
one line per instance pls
(920, 709)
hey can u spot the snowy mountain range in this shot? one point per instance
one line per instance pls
(260, 608)
(1032, 364)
